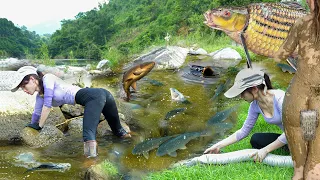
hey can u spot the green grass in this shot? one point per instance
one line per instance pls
(243, 170)
(109, 168)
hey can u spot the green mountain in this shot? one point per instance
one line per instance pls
(127, 27)
(17, 42)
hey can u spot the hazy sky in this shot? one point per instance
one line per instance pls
(39, 15)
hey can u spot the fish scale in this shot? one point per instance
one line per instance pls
(269, 25)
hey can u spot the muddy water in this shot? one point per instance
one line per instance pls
(155, 102)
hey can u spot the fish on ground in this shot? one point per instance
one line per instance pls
(134, 74)
(264, 26)
(61, 167)
(221, 116)
(148, 145)
(221, 87)
(178, 96)
(171, 146)
(286, 67)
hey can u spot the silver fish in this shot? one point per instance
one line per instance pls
(61, 167)
(220, 89)
(221, 116)
(178, 96)
(171, 146)
(172, 113)
(146, 146)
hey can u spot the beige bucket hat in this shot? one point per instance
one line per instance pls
(246, 78)
(20, 74)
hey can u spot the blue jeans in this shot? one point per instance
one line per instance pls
(95, 102)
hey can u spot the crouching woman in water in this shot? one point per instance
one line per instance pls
(53, 91)
(254, 86)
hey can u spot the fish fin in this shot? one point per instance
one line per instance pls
(173, 154)
(127, 80)
(134, 85)
(293, 62)
(137, 72)
(146, 155)
(183, 147)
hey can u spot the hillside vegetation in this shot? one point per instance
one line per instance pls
(119, 29)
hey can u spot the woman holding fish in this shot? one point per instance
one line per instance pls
(302, 101)
(254, 86)
(53, 91)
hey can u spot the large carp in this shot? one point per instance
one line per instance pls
(134, 74)
(265, 26)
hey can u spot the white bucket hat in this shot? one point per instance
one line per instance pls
(246, 78)
(20, 74)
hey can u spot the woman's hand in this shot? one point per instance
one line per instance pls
(214, 149)
(259, 155)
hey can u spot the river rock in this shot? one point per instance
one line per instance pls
(15, 112)
(103, 64)
(56, 117)
(13, 63)
(225, 53)
(48, 135)
(105, 130)
(170, 57)
(72, 110)
(98, 172)
(199, 51)
(70, 74)
(75, 126)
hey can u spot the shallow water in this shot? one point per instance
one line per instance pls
(155, 102)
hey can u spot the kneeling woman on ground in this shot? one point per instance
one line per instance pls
(254, 86)
(53, 91)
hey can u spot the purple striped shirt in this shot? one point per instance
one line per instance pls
(56, 93)
(254, 111)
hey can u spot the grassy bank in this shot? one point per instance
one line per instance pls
(244, 170)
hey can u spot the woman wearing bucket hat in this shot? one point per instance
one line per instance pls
(302, 102)
(53, 91)
(254, 86)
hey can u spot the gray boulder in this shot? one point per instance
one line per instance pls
(199, 51)
(170, 57)
(103, 64)
(48, 135)
(13, 63)
(226, 53)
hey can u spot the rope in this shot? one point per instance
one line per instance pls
(68, 120)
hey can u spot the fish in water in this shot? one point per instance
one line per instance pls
(286, 67)
(221, 88)
(171, 146)
(148, 145)
(221, 116)
(51, 167)
(154, 82)
(172, 113)
(178, 96)
(265, 26)
(163, 123)
(134, 74)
